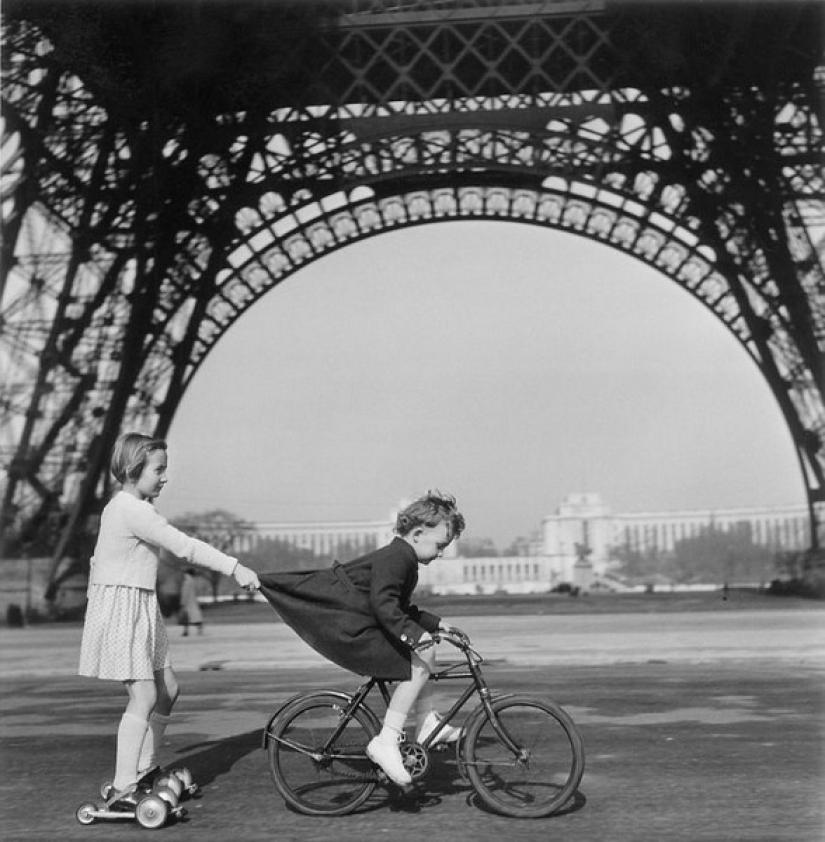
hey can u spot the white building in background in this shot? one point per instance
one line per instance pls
(777, 528)
(582, 529)
(323, 539)
(573, 546)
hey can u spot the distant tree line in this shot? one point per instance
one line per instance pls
(712, 555)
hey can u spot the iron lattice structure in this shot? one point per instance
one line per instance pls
(166, 165)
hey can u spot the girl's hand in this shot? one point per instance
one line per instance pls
(246, 578)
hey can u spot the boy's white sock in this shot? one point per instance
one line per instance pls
(155, 730)
(394, 722)
(130, 736)
(421, 714)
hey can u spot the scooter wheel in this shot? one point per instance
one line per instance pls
(85, 812)
(168, 795)
(185, 777)
(151, 812)
(170, 781)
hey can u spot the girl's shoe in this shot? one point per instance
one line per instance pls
(448, 734)
(385, 754)
(124, 799)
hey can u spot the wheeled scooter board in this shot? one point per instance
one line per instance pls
(156, 800)
(149, 810)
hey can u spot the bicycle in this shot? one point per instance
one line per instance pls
(523, 756)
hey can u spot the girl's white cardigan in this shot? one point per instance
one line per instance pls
(132, 533)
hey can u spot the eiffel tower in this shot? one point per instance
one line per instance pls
(165, 165)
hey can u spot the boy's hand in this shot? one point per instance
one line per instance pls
(246, 578)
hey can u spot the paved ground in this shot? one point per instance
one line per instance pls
(697, 727)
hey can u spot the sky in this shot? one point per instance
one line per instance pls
(507, 364)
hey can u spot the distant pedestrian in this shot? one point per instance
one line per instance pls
(124, 635)
(359, 616)
(190, 609)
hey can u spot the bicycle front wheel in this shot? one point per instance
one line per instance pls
(538, 773)
(317, 761)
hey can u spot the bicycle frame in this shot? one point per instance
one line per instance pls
(317, 741)
(451, 672)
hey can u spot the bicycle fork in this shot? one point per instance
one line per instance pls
(480, 686)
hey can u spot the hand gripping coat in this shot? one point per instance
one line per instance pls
(358, 614)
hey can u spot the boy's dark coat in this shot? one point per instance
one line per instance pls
(357, 614)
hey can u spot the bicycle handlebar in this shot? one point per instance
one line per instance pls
(457, 637)
(455, 634)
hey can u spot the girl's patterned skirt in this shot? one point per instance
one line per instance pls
(124, 635)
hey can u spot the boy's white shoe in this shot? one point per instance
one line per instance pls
(385, 753)
(448, 734)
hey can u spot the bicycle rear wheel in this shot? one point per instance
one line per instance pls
(314, 774)
(539, 779)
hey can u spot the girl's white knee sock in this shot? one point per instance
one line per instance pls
(155, 730)
(130, 736)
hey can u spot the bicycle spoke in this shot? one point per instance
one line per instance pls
(542, 777)
(313, 775)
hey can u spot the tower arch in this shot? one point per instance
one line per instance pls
(282, 248)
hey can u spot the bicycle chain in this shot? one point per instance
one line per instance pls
(366, 777)
(422, 763)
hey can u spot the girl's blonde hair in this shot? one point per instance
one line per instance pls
(430, 510)
(130, 454)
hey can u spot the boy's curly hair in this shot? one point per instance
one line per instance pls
(430, 510)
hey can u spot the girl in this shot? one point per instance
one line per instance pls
(124, 636)
(359, 616)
